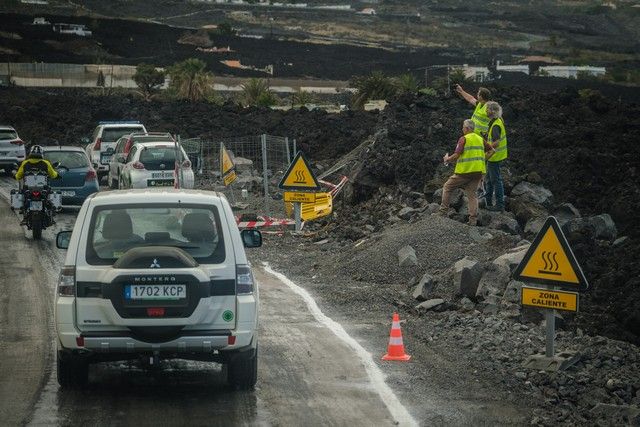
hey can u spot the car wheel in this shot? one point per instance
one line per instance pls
(242, 370)
(73, 371)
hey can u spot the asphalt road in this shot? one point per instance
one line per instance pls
(309, 374)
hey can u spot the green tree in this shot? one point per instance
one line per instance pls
(226, 29)
(407, 83)
(374, 86)
(301, 97)
(191, 80)
(256, 92)
(148, 79)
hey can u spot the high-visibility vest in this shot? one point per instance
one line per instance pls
(472, 158)
(501, 149)
(480, 119)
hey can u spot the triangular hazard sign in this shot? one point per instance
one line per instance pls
(550, 261)
(226, 164)
(299, 176)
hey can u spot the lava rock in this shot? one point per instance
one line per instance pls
(407, 257)
(424, 287)
(532, 193)
(493, 282)
(430, 304)
(512, 258)
(466, 276)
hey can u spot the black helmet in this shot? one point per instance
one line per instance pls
(35, 152)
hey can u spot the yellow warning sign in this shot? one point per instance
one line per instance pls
(226, 164)
(290, 196)
(229, 178)
(299, 176)
(544, 298)
(550, 260)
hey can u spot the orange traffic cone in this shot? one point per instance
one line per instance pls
(395, 351)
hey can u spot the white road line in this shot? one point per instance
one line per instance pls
(391, 401)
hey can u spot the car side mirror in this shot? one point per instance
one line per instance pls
(85, 141)
(62, 239)
(56, 165)
(120, 159)
(251, 238)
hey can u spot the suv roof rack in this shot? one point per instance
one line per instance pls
(119, 122)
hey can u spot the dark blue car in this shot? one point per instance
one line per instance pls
(77, 179)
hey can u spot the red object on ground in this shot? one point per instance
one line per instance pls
(395, 351)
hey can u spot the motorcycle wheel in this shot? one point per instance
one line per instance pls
(36, 227)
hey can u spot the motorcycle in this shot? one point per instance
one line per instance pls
(37, 202)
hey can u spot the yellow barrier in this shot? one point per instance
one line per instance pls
(323, 206)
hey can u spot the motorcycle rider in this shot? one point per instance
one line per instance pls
(35, 161)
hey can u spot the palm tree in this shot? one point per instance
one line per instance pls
(301, 97)
(407, 83)
(191, 80)
(374, 86)
(256, 92)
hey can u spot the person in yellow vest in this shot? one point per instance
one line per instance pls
(479, 117)
(470, 156)
(497, 138)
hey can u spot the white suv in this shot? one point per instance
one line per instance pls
(103, 142)
(12, 151)
(153, 274)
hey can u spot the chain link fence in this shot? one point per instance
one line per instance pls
(260, 162)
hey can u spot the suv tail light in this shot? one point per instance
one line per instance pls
(96, 146)
(186, 164)
(138, 165)
(244, 280)
(67, 282)
(18, 142)
(35, 195)
(91, 175)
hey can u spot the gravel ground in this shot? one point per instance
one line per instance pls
(459, 346)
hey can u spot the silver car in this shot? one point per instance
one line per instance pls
(12, 151)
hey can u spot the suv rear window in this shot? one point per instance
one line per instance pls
(112, 134)
(8, 134)
(194, 228)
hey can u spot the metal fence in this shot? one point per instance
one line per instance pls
(260, 162)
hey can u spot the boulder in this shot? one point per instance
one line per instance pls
(566, 212)
(512, 292)
(493, 282)
(243, 165)
(424, 287)
(600, 227)
(466, 276)
(407, 257)
(466, 304)
(429, 304)
(532, 193)
(512, 258)
(533, 226)
(406, 213)
(504, 221)
(525, 210)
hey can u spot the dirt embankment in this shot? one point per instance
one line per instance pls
(580, 144)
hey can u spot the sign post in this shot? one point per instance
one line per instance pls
(550, 262)
(227, 170)
(299, 185)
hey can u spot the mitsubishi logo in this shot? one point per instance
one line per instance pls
(155, 264)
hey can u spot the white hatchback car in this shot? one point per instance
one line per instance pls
(154, 164)
(157, 274)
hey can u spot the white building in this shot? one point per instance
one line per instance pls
(512, 68)
(572, 71)
(77, 29)
(477, 74)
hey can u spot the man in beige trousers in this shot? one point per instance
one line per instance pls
(470, 155)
